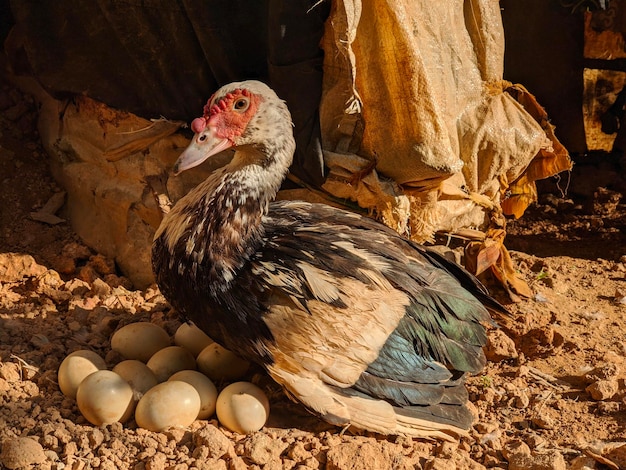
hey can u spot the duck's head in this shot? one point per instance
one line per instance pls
(240, 115)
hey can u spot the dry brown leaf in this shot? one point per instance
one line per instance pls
(492, 254)
(601, 459)
(519, 194)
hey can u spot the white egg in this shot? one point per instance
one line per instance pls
(104, 398)
(191, 337)
(173, 403)
(243, 407)
(75, 368)
(138, 375)
(219, 363)
(205, 388)
(170, 360)
(139, 340)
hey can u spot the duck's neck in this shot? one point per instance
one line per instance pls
(212, 232)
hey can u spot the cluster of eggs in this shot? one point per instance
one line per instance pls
(163, 385)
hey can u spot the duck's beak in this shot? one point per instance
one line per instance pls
(203, 145)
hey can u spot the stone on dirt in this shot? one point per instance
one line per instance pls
(520, 457)
(499, 346)
(216, 443)
(21, 452)
(16, 266)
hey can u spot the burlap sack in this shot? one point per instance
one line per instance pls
(416, 121)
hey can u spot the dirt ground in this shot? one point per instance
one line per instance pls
(553, 395)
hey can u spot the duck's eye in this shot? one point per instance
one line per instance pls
(241, 105)
(202, 138)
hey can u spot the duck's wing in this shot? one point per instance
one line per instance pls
(367, 328)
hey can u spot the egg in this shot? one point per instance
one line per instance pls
(192, 338)
(75, 368)
(104, 398)
(205, 388)
(172, 403)
(139, 340)
(138, 375)
(219, 363)
(243, 407)
(170, 360)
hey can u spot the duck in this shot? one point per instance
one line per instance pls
(363, 327)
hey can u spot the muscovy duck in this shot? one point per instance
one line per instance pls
(361, 325)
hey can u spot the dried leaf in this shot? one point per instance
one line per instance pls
(46, 218)
(487, 257)
(506, 272)
(519, 194)
(601, 459)
(492, 254)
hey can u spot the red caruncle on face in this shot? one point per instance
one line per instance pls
(230, 115)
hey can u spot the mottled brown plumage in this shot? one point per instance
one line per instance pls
(362, 326)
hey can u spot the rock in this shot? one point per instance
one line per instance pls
(54, 204)
(543, 336)
(550, 460)
(520, 399)
(210, 464)
(237, 463)
(102, 265)
(39, 341)
(262, 449)
(608, 407)
(515, 448)
(87, 274)
(46, 218)
(21, 452)
(96, 437)
(63, 264)
(534, 440)
(76, 251)
(53, 457)
(492, 439)
(603, 389)
(486, 427)
(115, 281)
(606, 371)
(436, 463)
(10, 372)
(77, 287)
(499, 346)
(100, 288)
(543, 422)
(16, 266)
(447, 449)
(156, 462)
(491, 461)
(47, 213)
(110, 203)
(49, 280)
(214, 440)
(356, 456)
